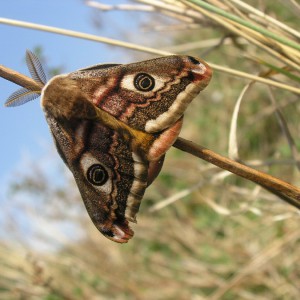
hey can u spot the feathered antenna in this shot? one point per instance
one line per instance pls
(24, 95)
(35, 67)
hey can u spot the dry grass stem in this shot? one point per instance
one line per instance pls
(210, 43)
(233, 149)
(108, 7)
(284, 190)
(269, 20)
(258, 262)
(285, 130)
(244, 23)
(249, 34)
(143, 49)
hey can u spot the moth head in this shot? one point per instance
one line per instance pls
(63, 99)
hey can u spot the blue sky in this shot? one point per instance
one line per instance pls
(25, 137)
(23, 130)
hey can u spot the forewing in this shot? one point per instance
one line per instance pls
(149, 96)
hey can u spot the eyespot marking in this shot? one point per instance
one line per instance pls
(144, 82)
(97, 175)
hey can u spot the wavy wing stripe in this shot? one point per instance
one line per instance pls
(138, 188)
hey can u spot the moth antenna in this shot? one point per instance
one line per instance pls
(35, 67)
(21, 96)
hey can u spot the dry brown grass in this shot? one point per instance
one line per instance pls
(187, 251)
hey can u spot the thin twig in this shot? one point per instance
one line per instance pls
(286, 191)
(20, 79)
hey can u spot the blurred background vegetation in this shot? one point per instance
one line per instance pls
(202, 233)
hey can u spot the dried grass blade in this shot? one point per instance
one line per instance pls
(257, 262)
(277, 70)
(249, 34)
(251, 9)
(170, 200)
(285, 130)
(245, 23)
(233, 151)
(95, 38)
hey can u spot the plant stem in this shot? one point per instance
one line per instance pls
(132, 46)
(20, 79)
(284, 190)
(234, 18)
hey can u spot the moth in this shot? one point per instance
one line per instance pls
(112, 125)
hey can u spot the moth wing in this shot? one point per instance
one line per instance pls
(109, 172)
(149, 96)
